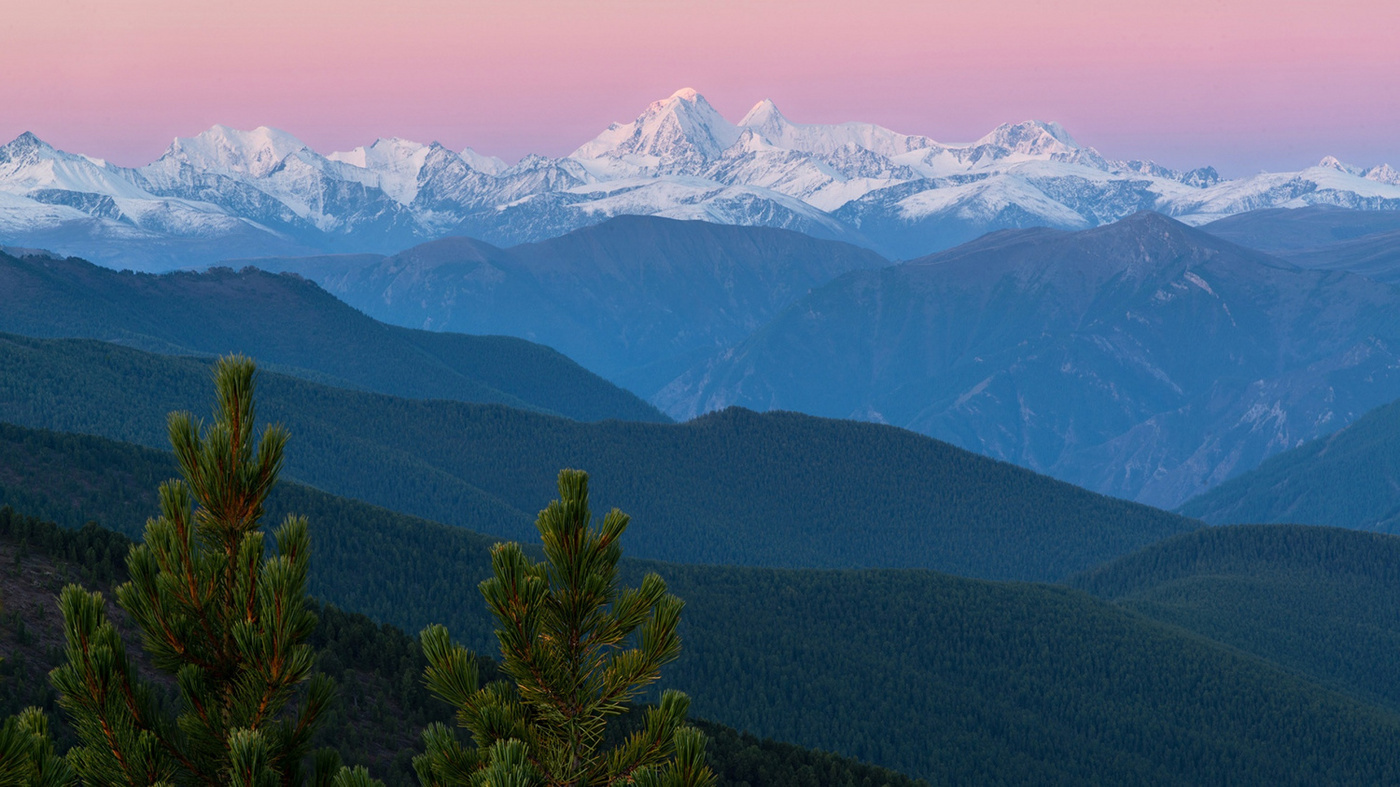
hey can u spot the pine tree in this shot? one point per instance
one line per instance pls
(577, 649)
(27, 757)
(227, 620)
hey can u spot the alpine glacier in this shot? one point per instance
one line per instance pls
(227, 193)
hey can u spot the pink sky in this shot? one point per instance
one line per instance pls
(1243, 85)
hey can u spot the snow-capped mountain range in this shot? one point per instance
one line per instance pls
(228, 193)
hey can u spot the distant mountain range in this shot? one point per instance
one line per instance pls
(1144, 359)
(228, 193)
(1321, 237)
(636, 299)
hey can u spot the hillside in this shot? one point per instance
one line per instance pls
(381, 706)
(1322, 601)
(778, 489)
(1347, 479)
(1287, 230)
(1373, 256)
(290, 324)
(1143, 359)
(1322, 237)
(636, 299)
(959, 681)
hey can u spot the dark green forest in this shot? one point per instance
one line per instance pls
(381, 706)
(797, 491)
(1322, 601)
(949, 679)
(290, 324)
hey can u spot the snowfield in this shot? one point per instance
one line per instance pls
(230, 193)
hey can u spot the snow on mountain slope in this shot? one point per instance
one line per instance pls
(677, 134)
(228, 151)
(29, 164)
(903, 195)
(765, 120)
(1031, 138)
(21, 215)
(480, 162)
(1320, 185)
(395, 161)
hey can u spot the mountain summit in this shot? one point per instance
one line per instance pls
(1031, 138)
(228, 151)
(230, 193)
(678, 132)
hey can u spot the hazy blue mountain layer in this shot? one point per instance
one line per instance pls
(291, 324)
(1282, 231)
(1347, 479)
(1321, 237)
(1142, 359)
(779, 489)
(635, 299)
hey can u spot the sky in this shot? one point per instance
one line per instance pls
(1243, 85)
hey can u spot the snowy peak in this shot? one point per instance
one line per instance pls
(383, 153)
(765, 119)
(1383, 173)
(229, 151)
(394, 162)
(29, 164)
(481, 162)
(1031, 138)
(681, 131)
(1331, 162)
(27, 141)
(833, 143)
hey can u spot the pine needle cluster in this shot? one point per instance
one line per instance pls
(578, 649)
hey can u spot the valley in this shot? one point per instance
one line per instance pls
(863, 497)
(699, 394)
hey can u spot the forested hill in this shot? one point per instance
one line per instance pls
(290, 323)
(958, 681)
(382, 705)
(637, 299)
(735, 487)
(1347, 479)
(1323, 601)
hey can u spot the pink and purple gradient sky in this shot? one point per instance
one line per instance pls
(1241, 84)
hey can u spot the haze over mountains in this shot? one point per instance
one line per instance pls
(1322, 237)
(1347, 479)
(291, 324)
(635, 299)
(776, 489)
(228, 193)
(1144, 359)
